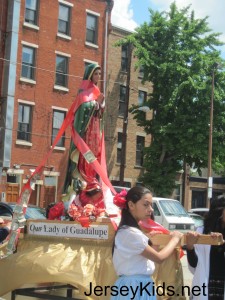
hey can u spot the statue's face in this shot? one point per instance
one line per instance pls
(96, 76)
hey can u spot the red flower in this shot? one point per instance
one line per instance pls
(120, 200)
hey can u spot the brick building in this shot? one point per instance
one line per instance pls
(123, 77)
(45, 45)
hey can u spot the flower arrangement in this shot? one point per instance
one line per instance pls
(120, 199)
(84, 214)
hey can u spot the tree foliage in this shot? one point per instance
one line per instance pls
(178, 54)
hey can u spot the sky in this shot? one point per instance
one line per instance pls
(129, 14)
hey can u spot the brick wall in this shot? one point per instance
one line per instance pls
(115, 123)
(42, 94)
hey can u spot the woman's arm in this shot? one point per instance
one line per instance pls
(192, 258)
(160, 256)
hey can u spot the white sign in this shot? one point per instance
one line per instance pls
(68, 230)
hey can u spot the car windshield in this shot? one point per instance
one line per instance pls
(172, 208)
(34, 213)
(198, 220)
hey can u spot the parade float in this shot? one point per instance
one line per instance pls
(75, 253)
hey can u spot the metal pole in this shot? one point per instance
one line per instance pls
(125, 120)
(210, 179)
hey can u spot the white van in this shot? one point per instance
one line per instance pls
(171, 214)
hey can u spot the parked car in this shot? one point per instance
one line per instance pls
(172, 215)
(202, 211)
(32, 211)
(198, 220)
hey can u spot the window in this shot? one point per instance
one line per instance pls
(140, 143)
(119, 147)
(124, 58)
(178, 191)
(122, 100)
(61, 71)
(156, 209)
(64, 19)
(24, 123)
(58, 118)
(142, 97)
(28, 62)
(91, 29)
(31, 11)
(141, 72)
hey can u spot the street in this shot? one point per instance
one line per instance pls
(187, 274)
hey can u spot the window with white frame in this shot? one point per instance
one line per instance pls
(91, 29)
(24, 122)
(178, 192)
(61, 77)
(122, 100)
(64, 19)
(31, 12)
(140, 143)
(142, 97)
(119, 147)
(28, 62)
(58, 118)
(124, 58)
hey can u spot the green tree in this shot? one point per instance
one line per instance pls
(178, 53)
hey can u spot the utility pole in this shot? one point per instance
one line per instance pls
(125, 120)
(210, 179)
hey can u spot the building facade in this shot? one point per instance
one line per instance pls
(124, 139)
(45, 46)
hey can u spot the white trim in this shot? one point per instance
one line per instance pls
(38, 182)
(66, 3)
(61, 88)
(32, 26)
(29, 44)
(92, 12)
(14, 171)
(90, 61)
(24, 143)
(26, 102)
(51, 173)
(143, 89)
(62, 53)
(60, 108)
(59, 148)
(119, 130)
(64, 36)
(31, 81)
(141, 134)
(91, 45)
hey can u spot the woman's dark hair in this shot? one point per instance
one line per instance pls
(213, 220)
(133, 195)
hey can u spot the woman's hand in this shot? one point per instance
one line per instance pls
(176, 235)
(191, 239)
(100, 98)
